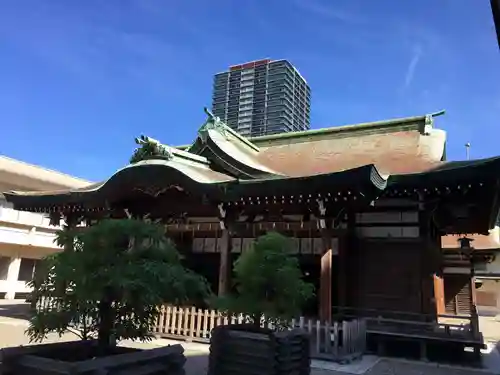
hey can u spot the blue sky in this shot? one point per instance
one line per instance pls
(80, 79)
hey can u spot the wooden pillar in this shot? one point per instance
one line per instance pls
(431, 291)
(225, 262)
(325, 288)
(472, 281)
(473, 308)
(224, 246)
(439, 294)
(343, 248)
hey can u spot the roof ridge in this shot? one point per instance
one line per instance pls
(351, 127)
(344, 128)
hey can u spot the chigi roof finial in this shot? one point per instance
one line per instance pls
(210, 114)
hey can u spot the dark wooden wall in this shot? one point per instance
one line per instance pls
(388, 275)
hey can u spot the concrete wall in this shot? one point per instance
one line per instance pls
(24, 236)
(17, 175)
(489, 269)
(488, 297)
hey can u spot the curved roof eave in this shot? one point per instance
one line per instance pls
(153, 172)
(483, 172)
(366, 180)
(239, 155)
(449, 172)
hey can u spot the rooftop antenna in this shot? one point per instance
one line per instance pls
(467, 151)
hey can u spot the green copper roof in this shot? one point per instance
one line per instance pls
(228, 151)
(152, 175)
(451, 172)
(155, 176)
(415, 122)
(363, 180)
(362, 185)
(368, 126)
(215, 123)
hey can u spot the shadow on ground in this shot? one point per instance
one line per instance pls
(196, 363)
(15, 310)
(491, 358)
(443, 354)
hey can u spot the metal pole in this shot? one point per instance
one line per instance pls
(467, 151)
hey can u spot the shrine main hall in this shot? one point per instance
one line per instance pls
(366, 206)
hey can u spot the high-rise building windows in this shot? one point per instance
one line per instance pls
(262, 97)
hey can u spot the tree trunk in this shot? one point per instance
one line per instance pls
(106, 323)
(256, 320)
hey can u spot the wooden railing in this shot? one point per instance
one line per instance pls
(444, 327)
(343, 340)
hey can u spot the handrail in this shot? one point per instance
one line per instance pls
(391, 312)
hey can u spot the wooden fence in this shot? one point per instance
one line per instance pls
(344, 340)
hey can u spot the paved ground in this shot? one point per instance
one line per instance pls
(397, 367)
(490, 327)
(13, 324)
(12, 334)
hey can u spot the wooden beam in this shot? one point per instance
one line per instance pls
(439, 294)
(325, 288)
(225, 262)
(343, 244)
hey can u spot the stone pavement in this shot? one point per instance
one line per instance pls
(490, 327)
(12, 334)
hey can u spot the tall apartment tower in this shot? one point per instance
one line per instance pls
(262, 97)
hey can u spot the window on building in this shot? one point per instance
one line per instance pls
(245, 113)
(26, 269)
(4, 267)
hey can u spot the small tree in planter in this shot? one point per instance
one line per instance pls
(112, 284)
(270, 291)
(269, 284)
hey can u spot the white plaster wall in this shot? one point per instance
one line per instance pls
(489, 286)
(492, 268)
(25, 234)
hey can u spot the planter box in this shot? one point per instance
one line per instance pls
(81, 357)
(246, 349)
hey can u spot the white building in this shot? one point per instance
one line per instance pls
(25, 237)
